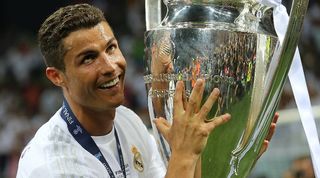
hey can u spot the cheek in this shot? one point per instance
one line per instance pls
(76, 85)
(118, 58)
(122, 62)
(114, 58)
(80, 81)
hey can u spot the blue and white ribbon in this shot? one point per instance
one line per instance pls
(298, 84)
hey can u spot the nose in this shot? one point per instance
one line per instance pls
(107, 65)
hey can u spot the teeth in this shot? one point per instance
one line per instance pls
(111, 83)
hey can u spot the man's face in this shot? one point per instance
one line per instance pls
(94, 68)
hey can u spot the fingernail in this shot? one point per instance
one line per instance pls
(216, 91)
(227, 116)
(180, 83)
(276, 117)
(200, 81)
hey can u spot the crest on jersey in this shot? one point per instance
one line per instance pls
(137, 159)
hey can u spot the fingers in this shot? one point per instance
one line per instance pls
(215, 122)
(271, 131)
(163, 126)
(178, 98)
(195, 98)
(275, 118)
(272, 127)
(205, 109)
(184, 99)
(264, 148)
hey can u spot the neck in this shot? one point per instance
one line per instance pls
(95, 122)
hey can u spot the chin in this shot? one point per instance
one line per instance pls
(116, 102)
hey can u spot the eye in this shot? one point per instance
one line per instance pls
(112, 47)
(87, 59)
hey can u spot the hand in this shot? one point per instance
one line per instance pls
(272, 128)
(188, 134)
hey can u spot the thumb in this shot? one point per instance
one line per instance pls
(263, 148)
(163, 126)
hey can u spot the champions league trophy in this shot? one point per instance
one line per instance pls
(233, 45)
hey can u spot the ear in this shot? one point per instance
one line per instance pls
(55, 76)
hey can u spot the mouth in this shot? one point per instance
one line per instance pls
(110, 83)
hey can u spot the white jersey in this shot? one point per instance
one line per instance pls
(54, 153)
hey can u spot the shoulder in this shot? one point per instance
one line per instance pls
(53, 132)
(131, 127)
(51, 147)
(126, 116)
(124, 111)
(139, 140)
(33, 155)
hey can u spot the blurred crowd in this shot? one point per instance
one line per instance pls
(28, 99)
(301, 167)
(310, 55)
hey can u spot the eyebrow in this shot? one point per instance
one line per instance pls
(87, 51)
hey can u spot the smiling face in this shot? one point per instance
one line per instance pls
(94, 69)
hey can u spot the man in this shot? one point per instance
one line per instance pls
(92, 135)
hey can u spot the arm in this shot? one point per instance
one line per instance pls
(188, 134)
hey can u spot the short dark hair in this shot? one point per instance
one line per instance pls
(59, 25)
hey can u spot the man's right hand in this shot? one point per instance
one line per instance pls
(188, 134)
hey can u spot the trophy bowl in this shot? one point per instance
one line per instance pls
(233, 45)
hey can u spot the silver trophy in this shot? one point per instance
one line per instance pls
(233, 45)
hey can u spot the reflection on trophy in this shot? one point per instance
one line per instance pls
(233, 45)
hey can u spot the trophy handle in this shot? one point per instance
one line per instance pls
(291, 39)
(284, 54)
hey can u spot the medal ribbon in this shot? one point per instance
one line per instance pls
(298, 84)
(86, 141)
